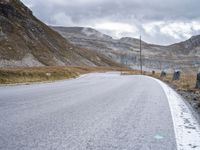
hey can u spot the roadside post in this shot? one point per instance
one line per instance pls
(176, 75)
(141, 55)
(198, 81)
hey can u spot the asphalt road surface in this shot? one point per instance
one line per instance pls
(99, 111)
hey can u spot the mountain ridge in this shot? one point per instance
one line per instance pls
(25, 41)
(194, 39)
(125, 50)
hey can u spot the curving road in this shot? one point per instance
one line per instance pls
(99, 111)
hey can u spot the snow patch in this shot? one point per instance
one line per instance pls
(186, 126)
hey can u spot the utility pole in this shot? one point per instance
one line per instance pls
(123, 62)
(121, 67)
(141, 55)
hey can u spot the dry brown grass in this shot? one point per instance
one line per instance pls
(39, 74)
(131, 72)
(187, 82)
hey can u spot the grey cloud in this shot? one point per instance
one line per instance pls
(133, 12)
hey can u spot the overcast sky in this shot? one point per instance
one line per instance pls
(158, 21)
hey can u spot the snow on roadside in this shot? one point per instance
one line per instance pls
(186, 127)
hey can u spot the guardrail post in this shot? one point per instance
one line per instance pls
(198, 81)
(163, 74)
(176, 75)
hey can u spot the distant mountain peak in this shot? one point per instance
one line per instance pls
(195, 40)
(132, 40)
(188, 45)
(94, 33)
(82, 32)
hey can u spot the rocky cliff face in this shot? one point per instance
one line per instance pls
(26, 41)
(126, 50)
(188, 47)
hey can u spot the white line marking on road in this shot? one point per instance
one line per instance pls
(186, 127)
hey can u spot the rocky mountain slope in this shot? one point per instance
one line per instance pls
(184, 55)
(26, 41)
(188, 47)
